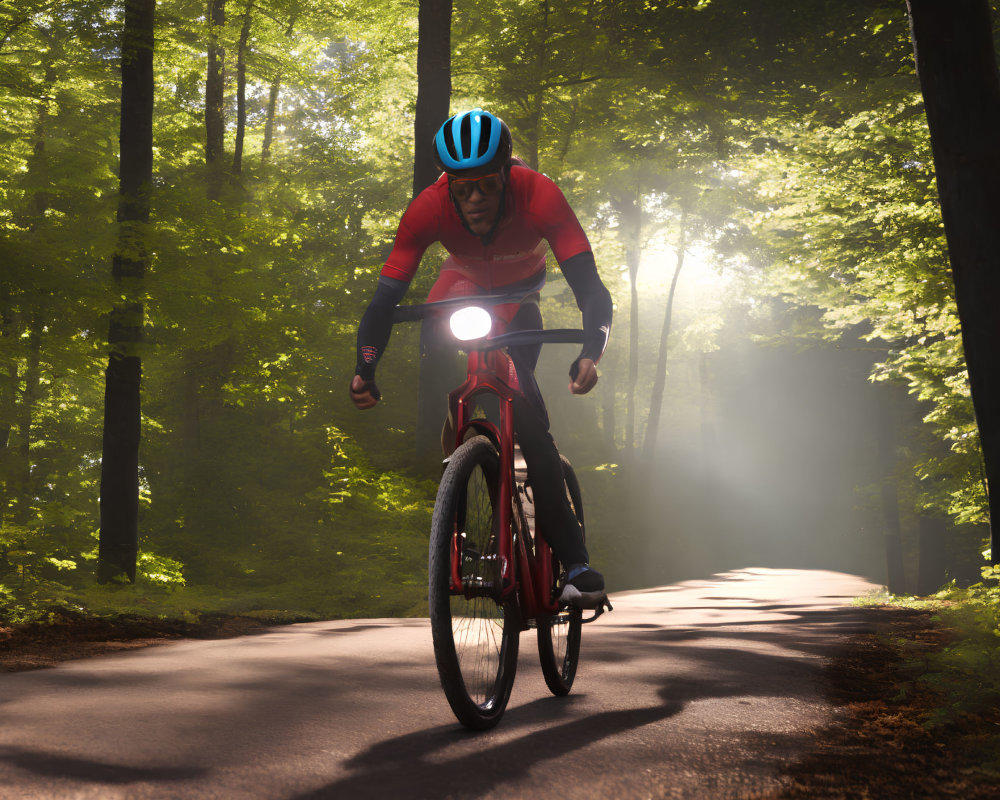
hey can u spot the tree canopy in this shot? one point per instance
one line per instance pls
(783, 149)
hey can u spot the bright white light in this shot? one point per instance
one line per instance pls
(471, 322)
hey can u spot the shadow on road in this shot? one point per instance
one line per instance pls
(49, 765)
(668, 667)
(735, 665)
(401, 767)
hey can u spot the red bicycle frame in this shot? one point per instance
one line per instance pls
(528, 574)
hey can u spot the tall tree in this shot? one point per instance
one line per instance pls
(215, 83)
(241, 90)
(433, 86)
(272, 104)
(660, 376)
(119, 533)
(433, 99)
(631, 211)
(956, 65)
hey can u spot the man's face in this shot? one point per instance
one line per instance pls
(478, 194)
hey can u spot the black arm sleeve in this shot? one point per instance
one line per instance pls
(593, 299)
(376, 325)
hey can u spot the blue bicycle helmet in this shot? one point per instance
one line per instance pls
(472, 140)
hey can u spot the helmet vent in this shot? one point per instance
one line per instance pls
(473, 139)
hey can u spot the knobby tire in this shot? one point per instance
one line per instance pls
(475, 636)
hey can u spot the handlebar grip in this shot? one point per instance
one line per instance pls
(408, 313)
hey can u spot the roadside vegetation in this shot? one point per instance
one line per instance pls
(966, 671)
(923, 694)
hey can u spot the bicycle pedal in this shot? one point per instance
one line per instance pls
(599, 609)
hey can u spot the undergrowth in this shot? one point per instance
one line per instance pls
(292, 601)
(965, 673)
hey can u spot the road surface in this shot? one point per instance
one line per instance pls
(702, 689)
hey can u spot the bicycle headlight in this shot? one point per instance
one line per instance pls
(470, 323)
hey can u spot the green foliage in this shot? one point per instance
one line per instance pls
(968, 670)
(847, 220)
(965, 672)
(251, 304)
(789, 139)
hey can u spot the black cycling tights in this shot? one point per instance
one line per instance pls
(553, 512)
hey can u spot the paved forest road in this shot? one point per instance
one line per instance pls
(698, 690)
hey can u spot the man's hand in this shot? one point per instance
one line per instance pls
(585, 378)
(364, 394)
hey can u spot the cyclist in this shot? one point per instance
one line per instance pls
(494, 216)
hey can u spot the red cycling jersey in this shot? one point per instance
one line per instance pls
(535, 215)
(535, 212)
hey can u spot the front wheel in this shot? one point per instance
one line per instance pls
(475, 635)
(559, 634)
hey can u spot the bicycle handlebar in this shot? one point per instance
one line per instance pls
(514, 338)
(413, 313)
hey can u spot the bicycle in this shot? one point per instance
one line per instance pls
(491, 576)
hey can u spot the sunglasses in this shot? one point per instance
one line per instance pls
(487, 185)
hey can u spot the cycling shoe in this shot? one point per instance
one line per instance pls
(584, 587)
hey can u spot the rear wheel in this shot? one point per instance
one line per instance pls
(475, 635)
(559, 634)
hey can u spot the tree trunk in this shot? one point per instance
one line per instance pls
(931, 566)
(241, 91)
(8, 392)
(608, 420)
(660, 378)
(956, 64)
(38, 171)
(433, 99)
(538, 98)
(441, 370)
(632, 219)
(190, 430)
(119, 534)
(215, 97)
(568, 131)
(708, 438)
(895, 575)
(29, 398)
(24, 327)
(433, 86)
(272, 107)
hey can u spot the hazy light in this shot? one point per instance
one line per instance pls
(700, 279)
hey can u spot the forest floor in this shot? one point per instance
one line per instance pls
(882, 745)
(69, 635)
(894, 737)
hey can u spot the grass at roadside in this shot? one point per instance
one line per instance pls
(922, 697)
(918, 697)
(67, 624)
(964, 672)
(886, 741)
(293, 601)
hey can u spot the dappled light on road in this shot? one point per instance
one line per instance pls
(699, 689)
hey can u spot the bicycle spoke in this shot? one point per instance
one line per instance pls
(477, 619)
(475, 639)
(559, 635)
